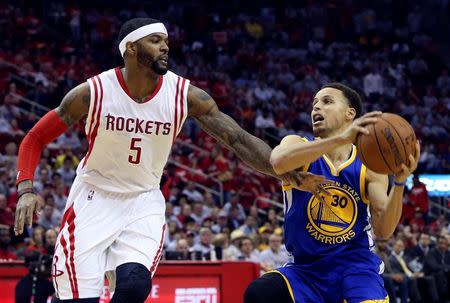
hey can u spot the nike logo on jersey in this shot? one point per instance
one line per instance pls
(137, 126)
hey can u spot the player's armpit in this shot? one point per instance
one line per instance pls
(250, 149)
(75, 104)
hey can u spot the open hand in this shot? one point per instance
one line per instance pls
(27, 206)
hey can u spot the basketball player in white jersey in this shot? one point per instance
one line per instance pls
(114, 218)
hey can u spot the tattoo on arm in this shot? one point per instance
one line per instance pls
(250, 149)
(75, 104)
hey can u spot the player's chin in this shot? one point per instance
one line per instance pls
(318, 130)
(160, 68)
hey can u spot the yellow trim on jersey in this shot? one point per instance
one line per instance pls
(333, 170)
(362, 184)
(286, 187)
(287, 283)
(303, 168)
(385, 300)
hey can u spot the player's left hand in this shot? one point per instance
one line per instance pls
(409, 169)
(306, 181)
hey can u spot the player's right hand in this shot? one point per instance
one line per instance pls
(359, 126)
(26, 207)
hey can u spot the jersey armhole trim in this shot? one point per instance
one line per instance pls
(362, 184)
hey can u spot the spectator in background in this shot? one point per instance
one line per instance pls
(373, 84)
(6, 213)
(68, 152)
(220, 242)
(36, 286)
(9, 111)
(186, 213)
(418, 253)
(60, 197)
(197, 213)
(418, 195)
(181, 251)
(247, 251)
(49, 218)
(44, 177)
(37, 241)
(275, 256)
(392, 281)
(67, 171)
(6, 252)
(234, 202)
(399, 265)
(443, 81)
(232, 251)
(437, 264)
(418, 219)
(223, 223)
(204, 250)
(235, 217)
(250, 226)
(50, 241)
(191, 193)
(69, 139)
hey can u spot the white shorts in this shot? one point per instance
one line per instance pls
(102, 230)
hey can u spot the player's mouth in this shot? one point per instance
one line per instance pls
(317, 119)
(163, 59)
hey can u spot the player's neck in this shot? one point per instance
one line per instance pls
(340, 154)
(140, 83)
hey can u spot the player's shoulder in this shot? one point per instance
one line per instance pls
(171, 75)
(289, 139)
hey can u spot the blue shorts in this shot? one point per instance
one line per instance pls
(329, 284)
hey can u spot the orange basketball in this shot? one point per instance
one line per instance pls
(389, 144)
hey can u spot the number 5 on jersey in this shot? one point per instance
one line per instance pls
(134, 146)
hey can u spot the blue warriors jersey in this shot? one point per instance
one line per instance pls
(315, 229)
(331, 239)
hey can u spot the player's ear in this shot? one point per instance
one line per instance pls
(350, 114)
(130, 48)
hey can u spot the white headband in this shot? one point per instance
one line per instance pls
(141, 32)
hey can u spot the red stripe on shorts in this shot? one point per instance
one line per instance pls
(159, 252)
(66, 255)
(71, 228)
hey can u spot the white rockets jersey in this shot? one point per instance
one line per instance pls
(130, 142)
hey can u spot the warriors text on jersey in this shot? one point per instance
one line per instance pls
(129, 142)
(315, 229)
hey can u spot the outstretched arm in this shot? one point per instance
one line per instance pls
(250, 149)
(72, 108)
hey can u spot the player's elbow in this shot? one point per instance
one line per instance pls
(277, 161)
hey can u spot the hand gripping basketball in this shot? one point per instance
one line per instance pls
(360, 126)
(408, 169)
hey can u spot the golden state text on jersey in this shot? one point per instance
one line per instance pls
(316, 228)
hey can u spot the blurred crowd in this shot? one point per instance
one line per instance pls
(262, 66)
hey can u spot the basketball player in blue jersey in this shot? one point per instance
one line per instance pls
(330, 236)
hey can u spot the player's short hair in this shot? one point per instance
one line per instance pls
(134, 24)
(353, 98)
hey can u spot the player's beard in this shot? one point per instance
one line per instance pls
(146, 60)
